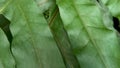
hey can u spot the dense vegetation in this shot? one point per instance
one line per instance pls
(59, 34)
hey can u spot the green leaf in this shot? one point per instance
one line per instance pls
(89, 26)
(51, 13)
(6, 58)
(62, 39)
(4, 24)
(33, 45)
(45, 5)
(113, 6)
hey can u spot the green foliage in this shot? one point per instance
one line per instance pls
(59, 34)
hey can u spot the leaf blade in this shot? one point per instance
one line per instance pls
(6, 58)
(33, 45)
(85, 22)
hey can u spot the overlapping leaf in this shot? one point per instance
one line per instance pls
(87, 22)
(113, 6)
(62, 40)
(4, 25)
(6, 58)
(51, 13)
(91, 33)
(45, 5)
(33, 45)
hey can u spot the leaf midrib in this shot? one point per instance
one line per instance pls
(53, 17)
(31, 33)
(5, 6)
(91, 39)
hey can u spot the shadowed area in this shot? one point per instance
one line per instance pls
(116, 24)
(4, 25)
